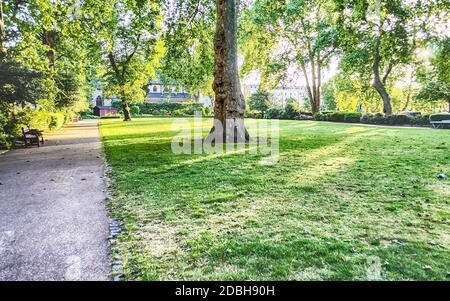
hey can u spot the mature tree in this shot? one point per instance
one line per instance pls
(305, 36)
(382, 35)
(190, 40)
(436, 78)
(127, 35)
(46, 37)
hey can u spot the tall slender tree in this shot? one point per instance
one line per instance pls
(382, 35)
(305, 37)
(127, 35)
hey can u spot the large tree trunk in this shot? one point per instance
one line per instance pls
(229, 104)
(379, 84)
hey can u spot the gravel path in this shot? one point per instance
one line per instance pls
(53, 221)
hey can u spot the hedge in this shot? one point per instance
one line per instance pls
(378, 118)
(166, 108)
(440, 117)
(350, 117)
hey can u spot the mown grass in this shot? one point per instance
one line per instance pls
(338, 195)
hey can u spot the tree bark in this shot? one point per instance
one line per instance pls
(379, 84)
(449, 105)
(120, 78)
(126, 111)
(229, 104)
(48, 39)
(125, 108)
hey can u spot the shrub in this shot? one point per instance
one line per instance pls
(87, 115)
(440, 117)
(274, 113)
(304, 117)
(253, 114)
(377, 118)
(259, 101)
(351, 117)
(207, 111)
(319, 116)
(55, 120)
(399, 119)
(396, 119)
(168, 108)
(135, 110)
(421, 120)
(292, 109)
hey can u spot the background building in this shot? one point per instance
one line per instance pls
(280, 94)
(159, 92)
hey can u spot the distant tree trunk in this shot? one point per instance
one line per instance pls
(197, 97)
(125, 109)
(379, 84)
(49, 40)
(313, 87)
(121, 79)
(229, 104)
(449, 105)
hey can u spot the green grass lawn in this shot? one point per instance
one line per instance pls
(339, 195)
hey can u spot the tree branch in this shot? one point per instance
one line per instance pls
(388, 71)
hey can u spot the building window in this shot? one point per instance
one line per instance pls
(155, 89)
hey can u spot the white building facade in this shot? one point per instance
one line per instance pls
(280, 94)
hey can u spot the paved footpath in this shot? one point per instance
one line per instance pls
(53, 221)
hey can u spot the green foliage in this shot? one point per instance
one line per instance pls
(135, 110)
(436, 78)
(329, 102)
(189, 44)
(350, 117)
(292, 109)
(253, 114)
(259, 101)
(173, 108)
(421, 120)
(394, 119)
(274, 113)
(19, 85)
(127, 32)
(307, 31)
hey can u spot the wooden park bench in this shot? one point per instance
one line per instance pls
(440, 124)
(32, 137)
